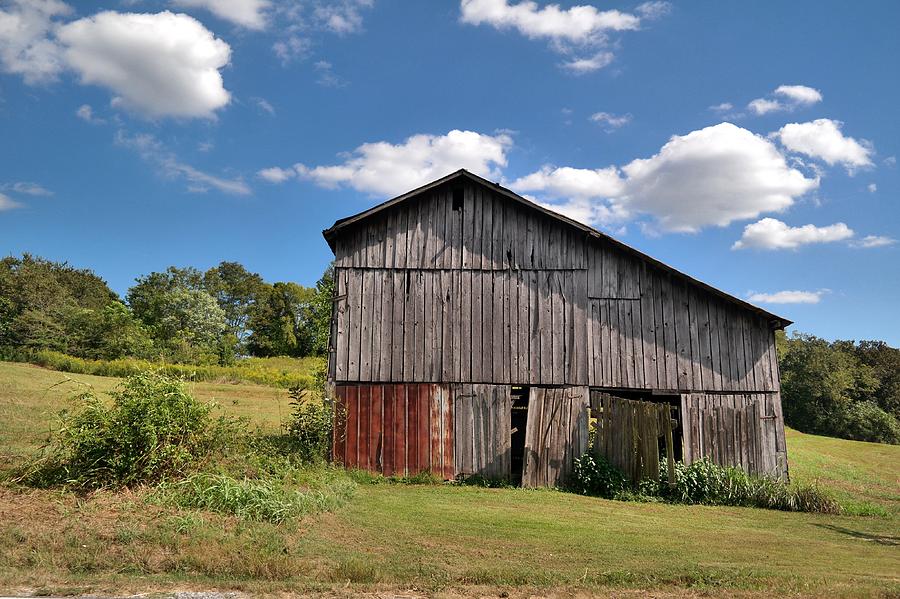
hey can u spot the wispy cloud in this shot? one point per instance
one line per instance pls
(153, 151)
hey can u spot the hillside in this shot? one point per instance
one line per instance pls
(441, 537)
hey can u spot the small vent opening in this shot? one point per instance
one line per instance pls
(457, 198)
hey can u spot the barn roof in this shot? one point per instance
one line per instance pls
(331, 233)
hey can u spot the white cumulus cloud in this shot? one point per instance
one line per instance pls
(160, 64)
(384, 168)
(822, 139)
(799, 94)
(788, 297)
(26, 47)
(709, 177)
(713, 176)
(772, 234)
(245, 13)
(576, 31)
(578, 24)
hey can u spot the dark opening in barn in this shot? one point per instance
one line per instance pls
(477, 333)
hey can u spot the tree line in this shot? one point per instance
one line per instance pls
(841, 388)
(183, 315)
(179, 315)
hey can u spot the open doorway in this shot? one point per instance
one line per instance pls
(518, 422)
(674, 403)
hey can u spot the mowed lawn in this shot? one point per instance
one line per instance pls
(442, 539)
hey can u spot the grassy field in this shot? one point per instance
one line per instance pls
(442, 539)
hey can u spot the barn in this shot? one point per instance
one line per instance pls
(477, 333)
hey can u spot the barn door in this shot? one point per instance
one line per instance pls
(555, 434)
(482, 430)
(733, 430)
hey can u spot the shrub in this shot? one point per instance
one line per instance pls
(311, 425)
(263, 499)
(594, 475)
(865, 421)
(153, 430)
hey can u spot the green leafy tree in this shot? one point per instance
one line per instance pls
(38, 298)
(827, 390)
(236, 290)
(280, 322)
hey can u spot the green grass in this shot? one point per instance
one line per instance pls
(462, 539)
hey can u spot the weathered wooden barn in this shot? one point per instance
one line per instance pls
(473, 332)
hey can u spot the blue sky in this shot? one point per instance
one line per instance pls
(751, 145)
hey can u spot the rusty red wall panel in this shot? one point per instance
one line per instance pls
(395, 429)
(400, 432)
(350, 458)
(412, 427)
(339, 435)
(375, 427)
(364, 431)
(423, 440)
(388, 444)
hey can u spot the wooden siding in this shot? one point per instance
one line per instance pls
(744, 430)
(481, 430)
(485, 232)
(556, 433)
(486, 290)
(534, 327)
(395, 429)
(505, 327)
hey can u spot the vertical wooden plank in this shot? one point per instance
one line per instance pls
(365, 343)
(715, 364)
(398, 341)
(668, 314)
(523, 327)
(376, 323)
(682, 335)
(390, 237)
(534, 333)
(696, 331)
(477, 324)
(387, 326)
(444, 362)
(430, 349)
(487, 229)
(649, 378)
(477, 228)
(376, 427)
(365, 430)
(354, 304)
(487, 325)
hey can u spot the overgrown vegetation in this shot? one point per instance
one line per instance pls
(701, 482)
(155, 434)
(842, 389)
(154, 430)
